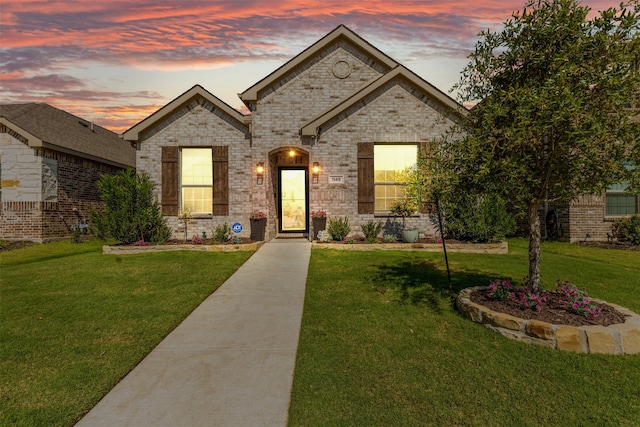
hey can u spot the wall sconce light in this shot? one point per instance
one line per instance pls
(292, 153)
(315, 172)
(260, 173)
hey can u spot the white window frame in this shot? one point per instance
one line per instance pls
(196, 180)
(396, 184)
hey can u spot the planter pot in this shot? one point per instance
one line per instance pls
(319, 224)
(410, 236)
(258, 228)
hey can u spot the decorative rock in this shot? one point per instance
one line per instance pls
(540, 329)
(623, 338)
(127, 250)
(629, 336)
(506, 321)
(570, 338)
(601, 340)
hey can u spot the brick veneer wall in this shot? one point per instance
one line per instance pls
(584, 216)
(587, 214)
(397, 113)
(392, 115)
(50, 191)
(199, 127)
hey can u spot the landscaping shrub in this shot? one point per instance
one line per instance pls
(371, 230)
(131, 213)
(339, 228)
(628, 229)
(222, 233)
(480, 218)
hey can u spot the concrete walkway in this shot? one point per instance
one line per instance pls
(230, 363)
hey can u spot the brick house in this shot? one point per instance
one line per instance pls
(50, 162)
(326, 131)
(591, 217)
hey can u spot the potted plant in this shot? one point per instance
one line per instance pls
(258, 221)
(405, 207)
(319, 220)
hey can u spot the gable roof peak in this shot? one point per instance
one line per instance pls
(133, 133)
(340, 32)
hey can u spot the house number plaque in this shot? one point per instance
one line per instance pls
(336, 179)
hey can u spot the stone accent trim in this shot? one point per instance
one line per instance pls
(127, 250)
(475, 248)
(622, 338)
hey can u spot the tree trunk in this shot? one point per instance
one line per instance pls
(534, 246)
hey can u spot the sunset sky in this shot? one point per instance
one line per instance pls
(117, 61)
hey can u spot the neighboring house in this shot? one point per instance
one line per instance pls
(50, 162)
(326, 131)
(592, 217)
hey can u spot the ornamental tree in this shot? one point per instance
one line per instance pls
(556, 114)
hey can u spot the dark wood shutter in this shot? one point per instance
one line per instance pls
(366, 188)
(220, 160)
(170, 180)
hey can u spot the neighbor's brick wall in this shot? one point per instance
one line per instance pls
(45, 192)
(588, 215)
(585, 215)
(199, 127)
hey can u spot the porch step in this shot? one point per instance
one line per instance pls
(292, 236)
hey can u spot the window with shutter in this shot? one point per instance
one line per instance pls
(197, 181)
(391, 163)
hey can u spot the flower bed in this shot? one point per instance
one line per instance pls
(617, 338)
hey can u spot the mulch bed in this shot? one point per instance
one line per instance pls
(551, 312)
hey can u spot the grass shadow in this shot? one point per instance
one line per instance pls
(419, 281)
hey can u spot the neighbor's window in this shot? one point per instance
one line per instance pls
(619, 202)
(197, 180)
(390, 162)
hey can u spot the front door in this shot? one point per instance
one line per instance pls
(293, 200)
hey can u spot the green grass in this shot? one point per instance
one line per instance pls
(381, 344)
(74, 321)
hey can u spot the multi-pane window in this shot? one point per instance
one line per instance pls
(620, 202)
(197, 180)
(391, 162)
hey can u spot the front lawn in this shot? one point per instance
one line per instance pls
(381, 344)
(74, 321)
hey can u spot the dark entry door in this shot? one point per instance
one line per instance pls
(293, 200)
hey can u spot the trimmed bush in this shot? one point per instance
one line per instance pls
(628, 229)
(131, 213)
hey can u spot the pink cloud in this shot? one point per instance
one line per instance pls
(43, 42)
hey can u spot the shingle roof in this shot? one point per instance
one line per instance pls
(46, 126)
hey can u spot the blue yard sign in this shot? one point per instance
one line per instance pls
(236, 227)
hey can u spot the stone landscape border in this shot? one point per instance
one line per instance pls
(622, 338)
(475, 248)
(122, 250)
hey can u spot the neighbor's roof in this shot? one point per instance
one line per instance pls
(45, 126)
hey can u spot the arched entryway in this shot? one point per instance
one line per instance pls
(290, 170)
